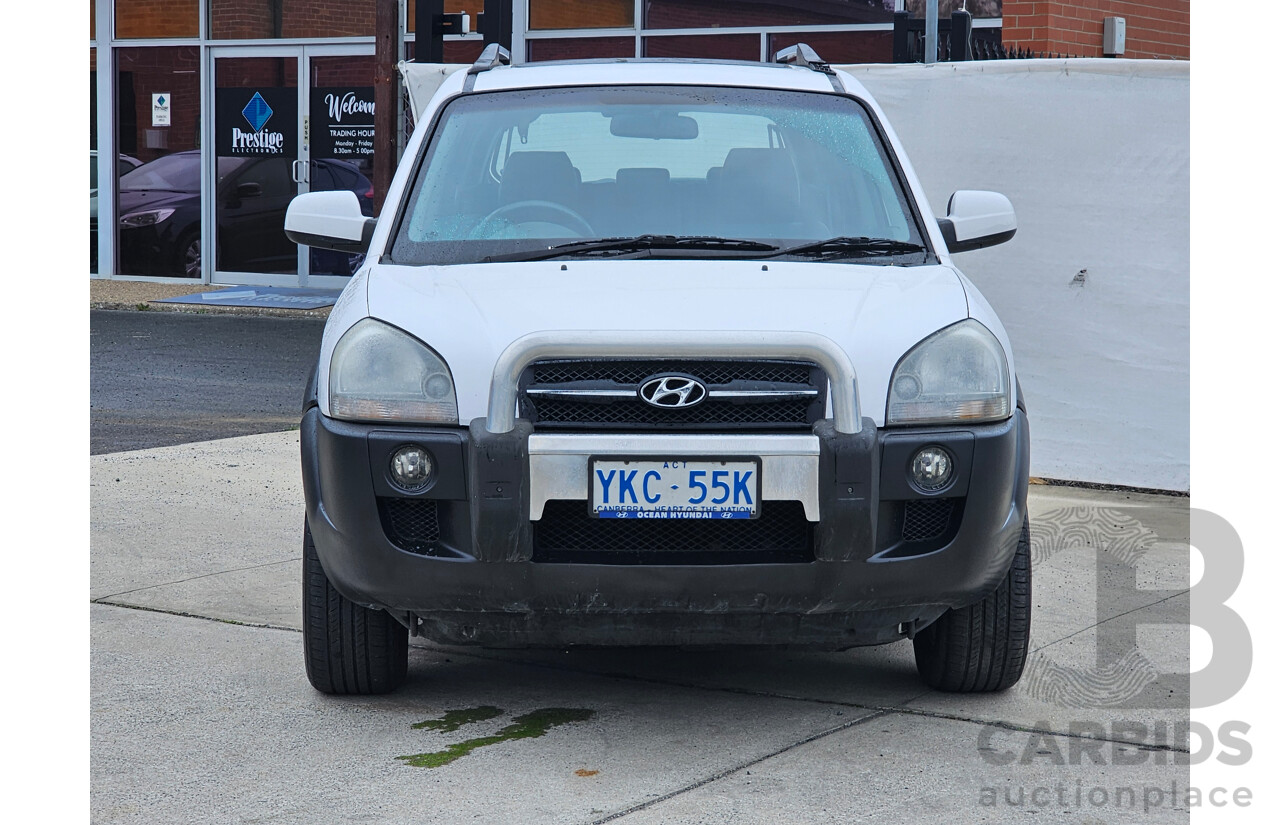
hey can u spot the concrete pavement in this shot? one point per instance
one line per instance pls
(201, 711)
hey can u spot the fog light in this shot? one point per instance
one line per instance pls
(411, 468)
(931, 469)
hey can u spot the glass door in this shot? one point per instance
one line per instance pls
(287, 120)
(338, 142)
(256, 166)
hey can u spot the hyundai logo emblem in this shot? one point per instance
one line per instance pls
(673, 391)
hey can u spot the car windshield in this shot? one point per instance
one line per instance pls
(510, 173)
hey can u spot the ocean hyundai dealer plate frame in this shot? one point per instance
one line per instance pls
(662, 352)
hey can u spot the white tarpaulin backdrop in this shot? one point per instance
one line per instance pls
(1095, 287)
(1095, 155)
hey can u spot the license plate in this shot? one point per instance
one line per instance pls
(675, 488)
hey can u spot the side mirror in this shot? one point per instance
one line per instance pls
(976, 220)
(329, 220)
(249, 190)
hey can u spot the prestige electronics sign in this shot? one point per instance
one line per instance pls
(257, 122)
(342, 122)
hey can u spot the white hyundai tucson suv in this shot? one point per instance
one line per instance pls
(655, 352)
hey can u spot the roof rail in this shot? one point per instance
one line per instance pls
(802, 54)
(492, 57)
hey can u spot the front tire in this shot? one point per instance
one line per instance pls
(349, 649)
(982, 648)
(186, 262)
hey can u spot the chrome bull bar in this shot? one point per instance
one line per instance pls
(809, 346)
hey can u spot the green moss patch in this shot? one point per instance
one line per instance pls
(454, 719)
(529, 726)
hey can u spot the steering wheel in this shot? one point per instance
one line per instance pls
(533, 210)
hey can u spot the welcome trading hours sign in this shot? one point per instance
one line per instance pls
(342, 122)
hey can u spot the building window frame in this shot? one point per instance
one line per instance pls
(521, 33)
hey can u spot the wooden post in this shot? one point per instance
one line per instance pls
(386, 28)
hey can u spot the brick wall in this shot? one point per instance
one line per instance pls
(1153, 28)
(329, 18)
(157, 18)
(250, 19)
(242, 19)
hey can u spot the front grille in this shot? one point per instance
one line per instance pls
(633, 413)
(633, 372)
(625, 410)
(925, 519)
(567, 533)
(411, 524)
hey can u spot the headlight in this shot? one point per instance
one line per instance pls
(957, 374)
(379, 373)
(151, 217)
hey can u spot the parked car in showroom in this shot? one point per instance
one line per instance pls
(159, 213)
(124, 164)
(656, 352)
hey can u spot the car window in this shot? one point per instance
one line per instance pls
(322, 177)
(527, 169)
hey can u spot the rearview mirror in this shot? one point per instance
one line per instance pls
(655, 126)
(976, 220)
(329, 220)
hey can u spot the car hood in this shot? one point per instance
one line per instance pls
(136, 200)
(470, 313)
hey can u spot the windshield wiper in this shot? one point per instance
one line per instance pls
(845, 246)
(638, 243)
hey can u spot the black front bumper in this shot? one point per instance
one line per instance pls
(475, 573)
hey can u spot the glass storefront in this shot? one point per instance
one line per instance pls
(211, 115)
(340, 106)
(214, 129)
(257, 148)
(157, 135)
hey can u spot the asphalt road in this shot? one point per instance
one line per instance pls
(163, 378)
